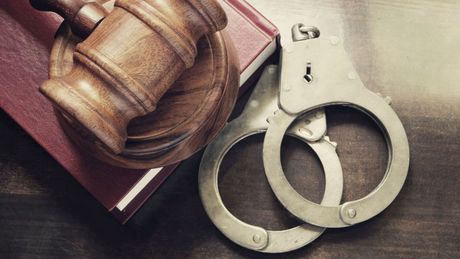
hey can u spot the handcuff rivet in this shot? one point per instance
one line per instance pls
(351, 76)
(334, 40)
(254, 103)
(388, 100)
(351, 213)
(319, 115)
(256, 238)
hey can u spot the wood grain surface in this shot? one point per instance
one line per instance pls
(405, 49)
(126, 65)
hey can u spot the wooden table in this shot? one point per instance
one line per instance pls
(409, 50)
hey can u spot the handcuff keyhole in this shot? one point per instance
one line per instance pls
(308, 77)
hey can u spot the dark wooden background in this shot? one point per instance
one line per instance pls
(409, 50)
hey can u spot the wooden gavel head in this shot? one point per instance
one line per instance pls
(129, 60)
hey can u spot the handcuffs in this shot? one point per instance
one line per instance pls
(262, 104)
(315, 72)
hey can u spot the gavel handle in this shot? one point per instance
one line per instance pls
(83, 16)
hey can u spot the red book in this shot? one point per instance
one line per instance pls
(26, 39)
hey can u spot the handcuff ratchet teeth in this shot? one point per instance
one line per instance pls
(255, 118)
(315, 73)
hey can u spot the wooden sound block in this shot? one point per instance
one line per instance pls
(187, 117)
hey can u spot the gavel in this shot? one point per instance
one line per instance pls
(127, 61)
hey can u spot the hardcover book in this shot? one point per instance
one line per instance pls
(26, 39)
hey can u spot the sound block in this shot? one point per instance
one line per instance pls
(187, 117)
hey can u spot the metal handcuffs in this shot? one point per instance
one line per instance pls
(261, 105)
(330, 80)
(324, 77)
